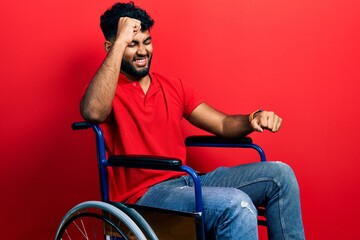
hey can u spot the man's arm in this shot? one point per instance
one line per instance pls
(96, 103)
(218, 123)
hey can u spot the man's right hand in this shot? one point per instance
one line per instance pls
(127, 29)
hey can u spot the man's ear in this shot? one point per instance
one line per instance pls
(107, 46)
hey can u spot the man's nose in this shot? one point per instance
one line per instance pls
(141, 50)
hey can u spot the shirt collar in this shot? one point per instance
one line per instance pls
(154, 84)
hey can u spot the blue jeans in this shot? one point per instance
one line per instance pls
(230, 197)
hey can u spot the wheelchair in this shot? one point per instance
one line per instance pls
(113, 220)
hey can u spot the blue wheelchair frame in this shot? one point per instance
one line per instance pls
(164, 163)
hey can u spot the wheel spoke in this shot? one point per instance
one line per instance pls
(82, 232)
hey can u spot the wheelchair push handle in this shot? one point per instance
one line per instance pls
(81, 125)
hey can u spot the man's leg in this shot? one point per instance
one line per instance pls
(272, 184)
(229, 212)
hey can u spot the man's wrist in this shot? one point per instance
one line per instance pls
(253, 115)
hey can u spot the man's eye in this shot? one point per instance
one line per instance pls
(147, 42)
(132, 44)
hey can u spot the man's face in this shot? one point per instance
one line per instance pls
(137, 56)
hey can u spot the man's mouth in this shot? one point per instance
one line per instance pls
(140, 62)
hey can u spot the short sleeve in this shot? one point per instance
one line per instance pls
(191, 99)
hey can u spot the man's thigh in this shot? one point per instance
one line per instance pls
(179, 195)
(258, 180)
(226, 210)
(255, 180)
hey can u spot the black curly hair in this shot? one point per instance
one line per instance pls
(110, 19)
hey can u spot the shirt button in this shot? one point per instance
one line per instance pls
(134, 84)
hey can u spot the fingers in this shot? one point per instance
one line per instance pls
(256, 126)
(128, 28)
(137, 26)
(126, 22)
(266, 120)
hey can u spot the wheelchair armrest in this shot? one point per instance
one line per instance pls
(143, 161)
(215, 141)
(159, 163)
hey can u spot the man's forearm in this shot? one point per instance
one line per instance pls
(236, 126)
(97, 100)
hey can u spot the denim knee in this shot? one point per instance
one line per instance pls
(232, 198)
(230, 214)
(285, 176)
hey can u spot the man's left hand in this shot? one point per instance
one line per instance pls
(266, 120)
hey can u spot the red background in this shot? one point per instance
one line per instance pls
(298, 58)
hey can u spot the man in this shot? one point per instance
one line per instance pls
(140, 113)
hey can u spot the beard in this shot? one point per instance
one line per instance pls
(131, 70)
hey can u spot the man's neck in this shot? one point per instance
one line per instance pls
(144, 81)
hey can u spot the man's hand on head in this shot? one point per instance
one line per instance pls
(127, 29)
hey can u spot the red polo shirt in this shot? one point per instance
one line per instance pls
(146, 124)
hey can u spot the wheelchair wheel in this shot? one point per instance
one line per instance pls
(98, 220)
